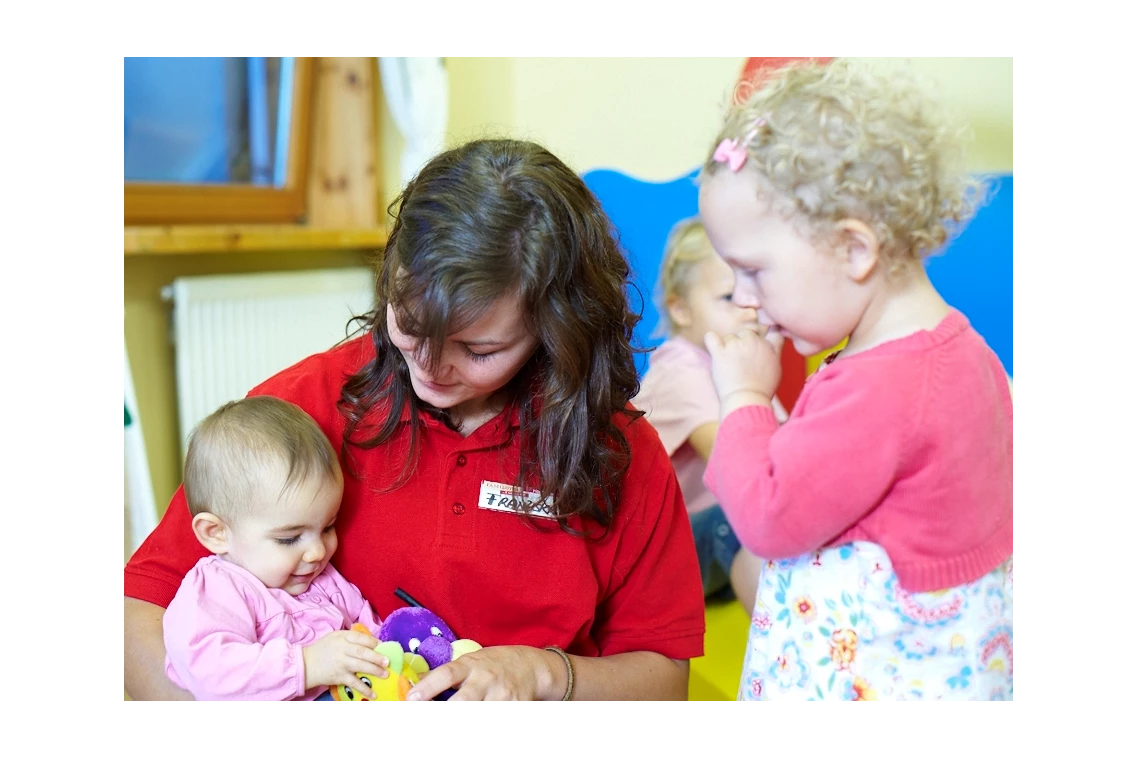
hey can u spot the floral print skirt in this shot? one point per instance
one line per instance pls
(836, 624)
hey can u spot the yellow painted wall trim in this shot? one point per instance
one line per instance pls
(162, 240)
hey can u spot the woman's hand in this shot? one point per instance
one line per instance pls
(506, 672)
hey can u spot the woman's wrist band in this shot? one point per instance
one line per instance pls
(568, 665)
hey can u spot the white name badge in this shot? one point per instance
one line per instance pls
(495, 496)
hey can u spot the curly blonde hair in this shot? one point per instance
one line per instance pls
(687, 246)
(837, 141)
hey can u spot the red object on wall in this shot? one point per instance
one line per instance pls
(755, 71)
(793, 376)
(753, 74)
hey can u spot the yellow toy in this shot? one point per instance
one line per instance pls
(403, 673)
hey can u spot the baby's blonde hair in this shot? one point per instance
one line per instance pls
(687, 246)
(248, 444)
(837, 141)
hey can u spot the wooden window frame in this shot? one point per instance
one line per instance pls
(157, 203)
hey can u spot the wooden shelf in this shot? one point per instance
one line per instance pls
(246, 238)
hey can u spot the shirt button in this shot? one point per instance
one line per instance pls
(458, 509)
(461, 460)
(317, 599)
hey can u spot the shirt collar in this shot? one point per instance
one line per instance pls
(511, 414)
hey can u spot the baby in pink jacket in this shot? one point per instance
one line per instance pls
(266, 617)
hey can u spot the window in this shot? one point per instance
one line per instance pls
(216, 140)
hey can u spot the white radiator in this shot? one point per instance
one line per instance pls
(232, 332)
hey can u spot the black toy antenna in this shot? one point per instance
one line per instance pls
(402, 595)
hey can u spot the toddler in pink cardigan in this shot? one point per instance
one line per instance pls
(266, 616)
(882, 507)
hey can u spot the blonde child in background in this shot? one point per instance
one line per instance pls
(678, 397)
(266, 616)
(883, 505)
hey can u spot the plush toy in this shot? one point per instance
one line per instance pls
(421, 631)
(415, 640)
(403, 672)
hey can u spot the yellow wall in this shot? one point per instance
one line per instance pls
(653, 118)
(978, 91)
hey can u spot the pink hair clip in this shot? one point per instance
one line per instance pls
(732, 153)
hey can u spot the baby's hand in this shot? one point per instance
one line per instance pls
(746, 368)
(337, 657)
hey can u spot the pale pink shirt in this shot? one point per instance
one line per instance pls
(228, 637)
(678, 396)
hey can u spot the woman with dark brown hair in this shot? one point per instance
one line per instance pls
(495, 470)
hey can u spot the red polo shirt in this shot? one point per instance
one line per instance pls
(491, 576)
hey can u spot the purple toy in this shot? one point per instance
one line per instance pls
(422, 631)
